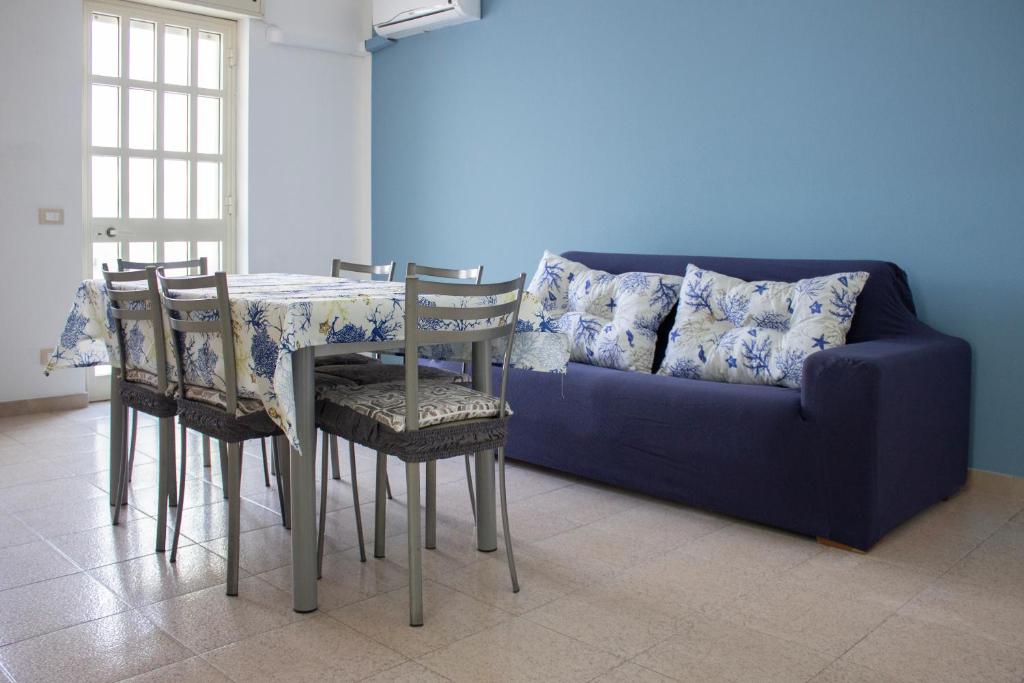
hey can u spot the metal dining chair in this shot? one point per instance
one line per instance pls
(139, 388)
(219, 414)
(193, 267)
(384, 272)
(476, 276)
(423, 421)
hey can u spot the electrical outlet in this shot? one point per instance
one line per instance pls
(44, 356)
(51, 216)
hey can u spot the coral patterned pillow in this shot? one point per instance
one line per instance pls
(730, 330)
(611, 320)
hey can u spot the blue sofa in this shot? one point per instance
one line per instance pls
(878, 432)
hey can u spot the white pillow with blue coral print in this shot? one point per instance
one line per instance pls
(610, 320)
(730, 330)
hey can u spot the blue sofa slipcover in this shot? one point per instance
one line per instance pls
(878, 431)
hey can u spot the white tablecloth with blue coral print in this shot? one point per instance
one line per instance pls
(276, 314)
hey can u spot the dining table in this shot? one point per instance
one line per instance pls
(281, 323)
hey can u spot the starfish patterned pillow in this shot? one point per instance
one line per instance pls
(610, 320)
(730, 330)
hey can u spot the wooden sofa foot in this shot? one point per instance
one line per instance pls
(840, 546)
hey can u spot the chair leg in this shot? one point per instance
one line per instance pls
(131, 447)
(206, 451)
(223, 467)
(323, 510)
(504, 522)
(380, 506)
(412, 482)
(181, 494)
(355, 500)
(172, 484)
(273, 460)
(165, 464)
(284, 459)
(387, 486)
(469, 483)
(266, 467)
(121, 495)
(280, 483)
(335, 465)
(431, 521)
(234, 485)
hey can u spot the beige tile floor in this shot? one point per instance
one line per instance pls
(616, 586)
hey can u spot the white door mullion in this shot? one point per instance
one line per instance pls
(159, 120)
(193, 108)
(122, 139)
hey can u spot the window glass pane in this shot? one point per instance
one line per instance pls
(106, 115)
(176, 53)
(175, 188)
(141, 188)
(141, 118)
(142, 50)
(106, 45)
(208, 68)
(103, 252)
(106, 186)
(208, 189)
(208, 125)
(176, 251)
(175, 122)
(211, 250)
(142, 252)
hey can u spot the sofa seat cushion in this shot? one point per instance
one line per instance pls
(730, 330)
(611, 320)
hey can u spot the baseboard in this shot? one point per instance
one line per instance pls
(46, 404)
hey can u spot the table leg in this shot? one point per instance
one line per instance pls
(303, 485)
(116, 433)
(486, 522)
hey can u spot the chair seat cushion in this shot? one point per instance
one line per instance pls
(439, 403)
(147, 399)
(443, 440)
(215, 423)
(378, 373)
(345, 359)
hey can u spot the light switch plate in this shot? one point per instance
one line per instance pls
(51, 216)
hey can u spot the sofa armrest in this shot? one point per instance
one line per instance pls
(895, 416)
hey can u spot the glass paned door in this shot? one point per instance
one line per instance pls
(159, 140)
(159, 149)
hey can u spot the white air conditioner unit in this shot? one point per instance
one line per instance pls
(401, 18)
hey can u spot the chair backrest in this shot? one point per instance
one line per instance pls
(210, 315)
(475, 274)
(386, 270)
(426, 325)
(137, 305)
(198, 265)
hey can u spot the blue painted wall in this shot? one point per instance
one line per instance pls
(791, 128)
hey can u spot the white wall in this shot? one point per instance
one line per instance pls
(308, 164)
(308, 195)
(40, 166)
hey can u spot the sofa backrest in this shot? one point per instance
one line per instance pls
(884, 309)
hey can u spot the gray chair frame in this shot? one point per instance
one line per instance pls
(221, 327)
(121, 311)
(200, 266)
(475, 274)
(338, 268)
(417, 337)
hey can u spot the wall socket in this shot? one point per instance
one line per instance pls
(44, 356)
(51, 216)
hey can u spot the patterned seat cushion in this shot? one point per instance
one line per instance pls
(378, 373)
(214, 422)
(439, 403)
(345, 359)
(146, 398)
(374, 416)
